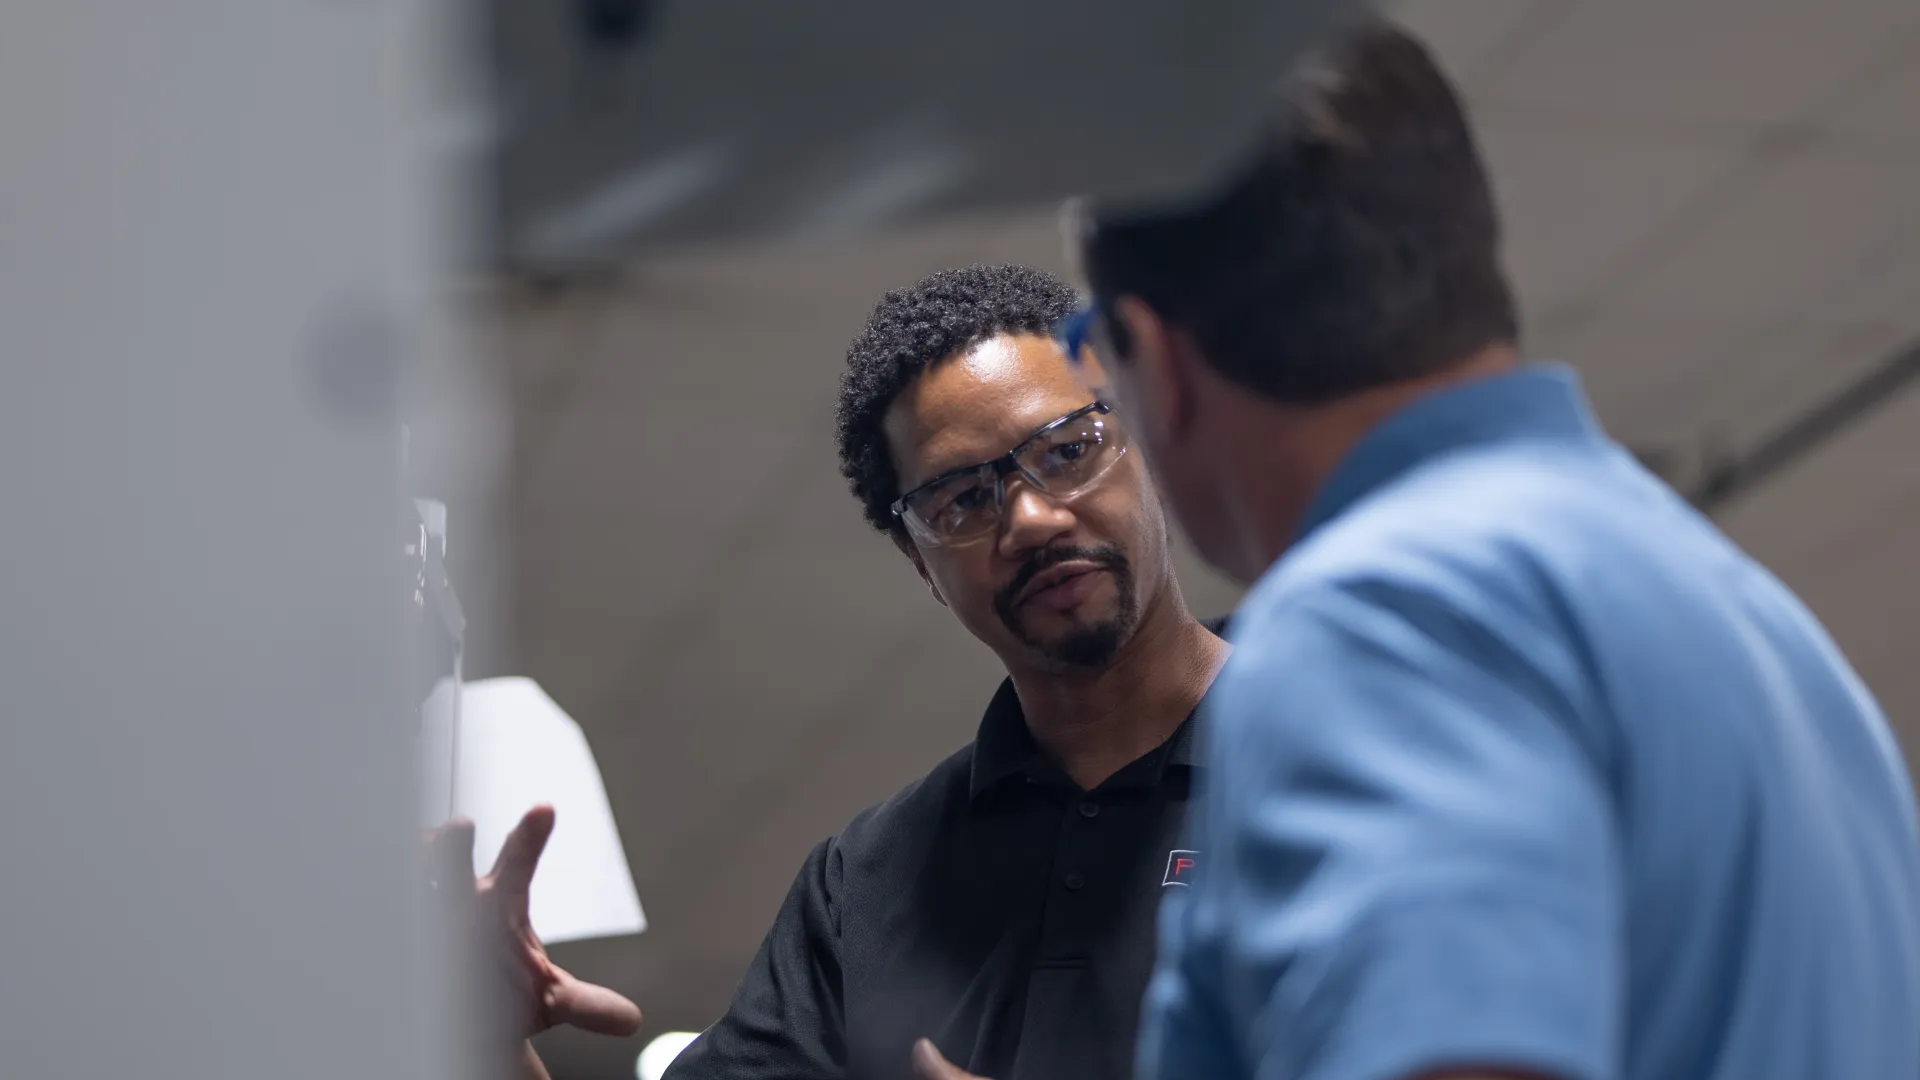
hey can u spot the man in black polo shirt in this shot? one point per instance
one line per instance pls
(1002, 905)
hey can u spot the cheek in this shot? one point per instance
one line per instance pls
(1128, 513)
(965, 581)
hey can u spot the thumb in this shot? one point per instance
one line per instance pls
(592, 1008)
(930, 1064)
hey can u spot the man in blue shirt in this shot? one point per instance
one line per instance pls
(1520, 768)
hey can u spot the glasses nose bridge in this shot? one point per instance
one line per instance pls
(1006, 468)
(1008, 521)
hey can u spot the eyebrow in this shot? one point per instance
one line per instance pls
(961, 470)
(955, 471)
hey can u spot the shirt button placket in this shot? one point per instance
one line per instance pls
(1075, 881)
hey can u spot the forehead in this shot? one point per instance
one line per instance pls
(977, 404)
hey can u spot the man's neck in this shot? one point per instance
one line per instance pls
(1314, 443)
(1093, 724)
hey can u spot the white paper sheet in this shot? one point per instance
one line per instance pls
(517, 748)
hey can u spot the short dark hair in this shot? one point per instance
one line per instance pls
(1359, 246)
(914, 328)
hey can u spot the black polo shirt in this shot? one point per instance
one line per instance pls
(993, 906)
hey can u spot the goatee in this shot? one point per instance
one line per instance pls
(1092, 645)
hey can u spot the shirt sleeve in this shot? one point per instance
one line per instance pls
(1414, 863)
(785, 1022)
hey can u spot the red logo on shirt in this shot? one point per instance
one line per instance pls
(1181, 866)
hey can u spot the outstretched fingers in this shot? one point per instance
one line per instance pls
(520, 855)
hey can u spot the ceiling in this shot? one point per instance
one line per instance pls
(1711, 210)
(742, 118)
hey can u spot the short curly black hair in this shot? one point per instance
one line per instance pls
(909, 331)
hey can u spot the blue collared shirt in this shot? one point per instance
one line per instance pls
(1520, 763)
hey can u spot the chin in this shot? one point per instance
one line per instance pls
(1089, 643)
(1093, 649)
(1085, 637)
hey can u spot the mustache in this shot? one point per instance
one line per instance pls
(1108, 558)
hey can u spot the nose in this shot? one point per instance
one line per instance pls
(1029, 520)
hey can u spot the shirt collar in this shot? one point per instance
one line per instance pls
(1005, 746)
(1534, 401)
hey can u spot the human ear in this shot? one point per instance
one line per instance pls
(1161, 372)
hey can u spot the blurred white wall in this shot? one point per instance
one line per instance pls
(219, 262)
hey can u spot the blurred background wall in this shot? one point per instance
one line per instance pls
(1713, 210)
